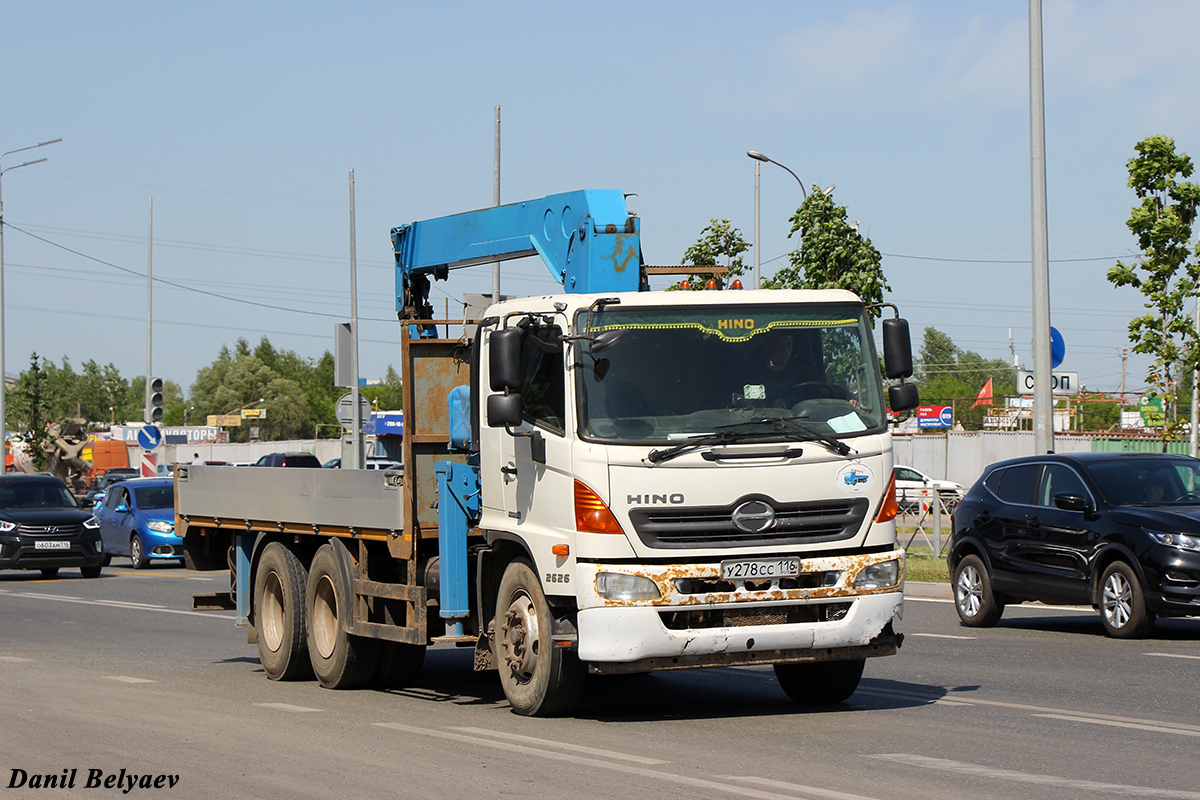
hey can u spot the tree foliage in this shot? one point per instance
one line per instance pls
(833, 254)
(718, 240)
(1167, 273)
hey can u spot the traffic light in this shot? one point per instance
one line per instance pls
(154, 400)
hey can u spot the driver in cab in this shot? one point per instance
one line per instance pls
(779, 372)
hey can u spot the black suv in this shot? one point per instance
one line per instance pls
(289, 460)
(1117, 531)
(43, 527)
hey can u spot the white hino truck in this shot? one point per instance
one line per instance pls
(609, 479)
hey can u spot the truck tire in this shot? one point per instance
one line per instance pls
(339, 659)
(821, 682)
(399, 664)
(279, 614)
(539, 679)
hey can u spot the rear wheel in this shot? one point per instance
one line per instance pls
(49, 572)
(974, 600)
(539, 679)
(137, 553)
(279, 614)
(1122, 603)
(821, 682)
(340, 660)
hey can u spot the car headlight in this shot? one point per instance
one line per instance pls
(6, 526)
(91, 523)
(1183, 541)
(616, 586)
(161, 526)
(879, 576)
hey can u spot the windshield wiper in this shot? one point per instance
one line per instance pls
(707, 440)
(833, 443)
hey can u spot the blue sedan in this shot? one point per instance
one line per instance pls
(137, 519)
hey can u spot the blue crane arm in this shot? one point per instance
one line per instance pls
(587, 239)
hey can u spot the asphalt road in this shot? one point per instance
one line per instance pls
(118, 674)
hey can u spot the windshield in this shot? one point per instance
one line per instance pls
(36, 494)
(682, 372)
(155, 496)
(1148, 481)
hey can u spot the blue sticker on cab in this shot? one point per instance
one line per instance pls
(855, 478)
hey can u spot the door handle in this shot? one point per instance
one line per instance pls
(506, 470)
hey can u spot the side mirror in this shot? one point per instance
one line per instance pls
(1072, 502)
(503, 410)
(903, 396)
(504, 361)
(606, 341)
(897, 349)
(122, 509)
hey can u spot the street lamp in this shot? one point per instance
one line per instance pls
(759, 159)
(239, 408)
(3, 418)
(185, 414)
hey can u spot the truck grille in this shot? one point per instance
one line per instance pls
(712, 526)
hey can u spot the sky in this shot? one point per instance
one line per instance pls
(239, 124)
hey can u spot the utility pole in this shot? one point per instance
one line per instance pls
(149, 301)
(1121, 405)
(1043, 403)
(496, 202)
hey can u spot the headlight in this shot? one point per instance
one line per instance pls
(879, 576)
(161, 526)
(1181, 540)
(91, 523)
(615, 586)
(6, 526)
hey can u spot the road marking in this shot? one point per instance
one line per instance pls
(795, 787)
(942, 636)
(224, 617)
(980, 771)
(561, 745)
(127, 679)
(15, 660)
(1141, 726)
(287, 707)
(541, 752)
(1172, 655)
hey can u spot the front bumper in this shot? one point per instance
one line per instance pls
(689, 626)
(1174, 578)
(22, 552)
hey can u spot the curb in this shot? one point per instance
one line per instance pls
(928, 590)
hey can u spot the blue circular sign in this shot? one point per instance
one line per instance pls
(1058, 348)
(947, 415)
(149, 437)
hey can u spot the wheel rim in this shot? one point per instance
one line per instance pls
(1118, 600)
(272, 612)
(519, 639)
(135, 550)
(969, 591)
(325, 617)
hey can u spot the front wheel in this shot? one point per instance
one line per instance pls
(539, 679)
(90, 572)
(1122, 603)
(49, 572)
(821, 682)
(137, 553)
(974, 599)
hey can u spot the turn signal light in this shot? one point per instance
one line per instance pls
(591, 515)
(889, 508)
(561, 550)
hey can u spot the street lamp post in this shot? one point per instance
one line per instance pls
(3, 417)
(759, 158)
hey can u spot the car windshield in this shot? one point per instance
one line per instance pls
(36, 494)
(1148, 481)
(155, 496)
(689, 371)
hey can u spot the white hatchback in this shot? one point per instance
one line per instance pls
(912, 485)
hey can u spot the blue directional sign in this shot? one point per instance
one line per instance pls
(149, 437)
(1058, 348)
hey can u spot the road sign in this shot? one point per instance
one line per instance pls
(1153, 412)
(1058, 348)
(149, 437)
(149, 465)
(1060, 382)
(345, 410)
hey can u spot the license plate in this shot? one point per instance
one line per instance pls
(751, 569)
(51, 544)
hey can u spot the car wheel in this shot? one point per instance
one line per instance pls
(974, 600)
(820, 683)
(104, 562)
(137, 554)
(49, 572)
(1122, 603)
(90, 572)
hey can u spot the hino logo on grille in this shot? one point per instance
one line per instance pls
(753, 516)
(651, 499)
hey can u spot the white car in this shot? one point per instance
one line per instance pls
(912, 483)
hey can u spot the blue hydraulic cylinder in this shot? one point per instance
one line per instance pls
(587, 239)
(458, 511)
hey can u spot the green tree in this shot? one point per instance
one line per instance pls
(951, 376)
(718, 240)
(1166, 274)
(832, 253)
